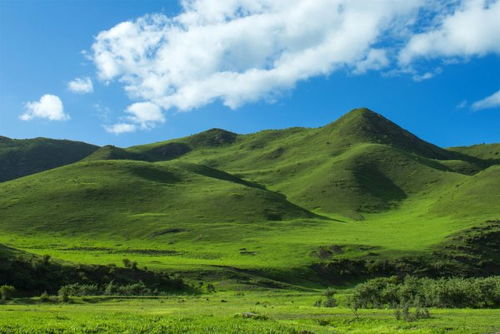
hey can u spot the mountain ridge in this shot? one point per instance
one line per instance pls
(264, 202)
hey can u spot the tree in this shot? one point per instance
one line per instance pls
(7, 291)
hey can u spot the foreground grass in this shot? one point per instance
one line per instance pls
(284, 312)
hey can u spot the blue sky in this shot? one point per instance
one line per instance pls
(155, 70)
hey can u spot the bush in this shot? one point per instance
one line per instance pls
(210, 288)
(424, 292)
(403, 312)
(127, 263)
(82, 289)
(111, 289)
(136, 289)
(7, 292)
(44, 297)
(251, 315)
(63, 295)
(330, 299)
(38, 274)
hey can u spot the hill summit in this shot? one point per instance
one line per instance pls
(366, 126)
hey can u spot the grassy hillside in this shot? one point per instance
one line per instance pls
(20, 157)
(136, 199)
(358, 164)
(110, 152)
(487, 152)
(265, 203)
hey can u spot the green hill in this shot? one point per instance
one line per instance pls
(359, 163)
(20, 157)
(110, 152)
(135, 199)
(487, 152)
(267, 203)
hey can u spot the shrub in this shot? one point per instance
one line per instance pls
(127, 263)
(44, 297)
(110, 289)
(136, 289)
(403, 312)
(330, 299)
(210, 288)
(330, 302)
(424, 292)
(63, 295)
(82, 289)
(251, 315)
(46, 259)
(7, 292)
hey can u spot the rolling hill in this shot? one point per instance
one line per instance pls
(265, 202)
(20, 157)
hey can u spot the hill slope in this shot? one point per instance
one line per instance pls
(135, 198)
(361, 186)
(360, 163)
(20, 157)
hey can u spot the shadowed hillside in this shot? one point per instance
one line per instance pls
(135, 198)
(20, 157)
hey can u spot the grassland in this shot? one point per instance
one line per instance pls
(282, 312)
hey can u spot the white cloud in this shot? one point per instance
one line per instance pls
(376, 59)
(473, 29)
(145, 114)
(238, 51)
(120, 128)
(49, 107)
(81, 85)
(492, 101)
(141, 115)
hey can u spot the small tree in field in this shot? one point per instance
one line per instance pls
(7, 291)
(63, 294)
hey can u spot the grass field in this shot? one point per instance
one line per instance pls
(282, 312)
(284, 245)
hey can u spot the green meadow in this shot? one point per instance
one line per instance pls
(278, 312)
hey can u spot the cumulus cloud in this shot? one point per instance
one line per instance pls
(492, 101)
(239, 51)
(49, 107)
(473, 29)
(145, 114)
(81, 85)
(141, 115)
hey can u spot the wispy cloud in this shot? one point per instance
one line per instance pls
(492, 101)
(81, 85)
(120, 128)
(462, 104)
(49, 107)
